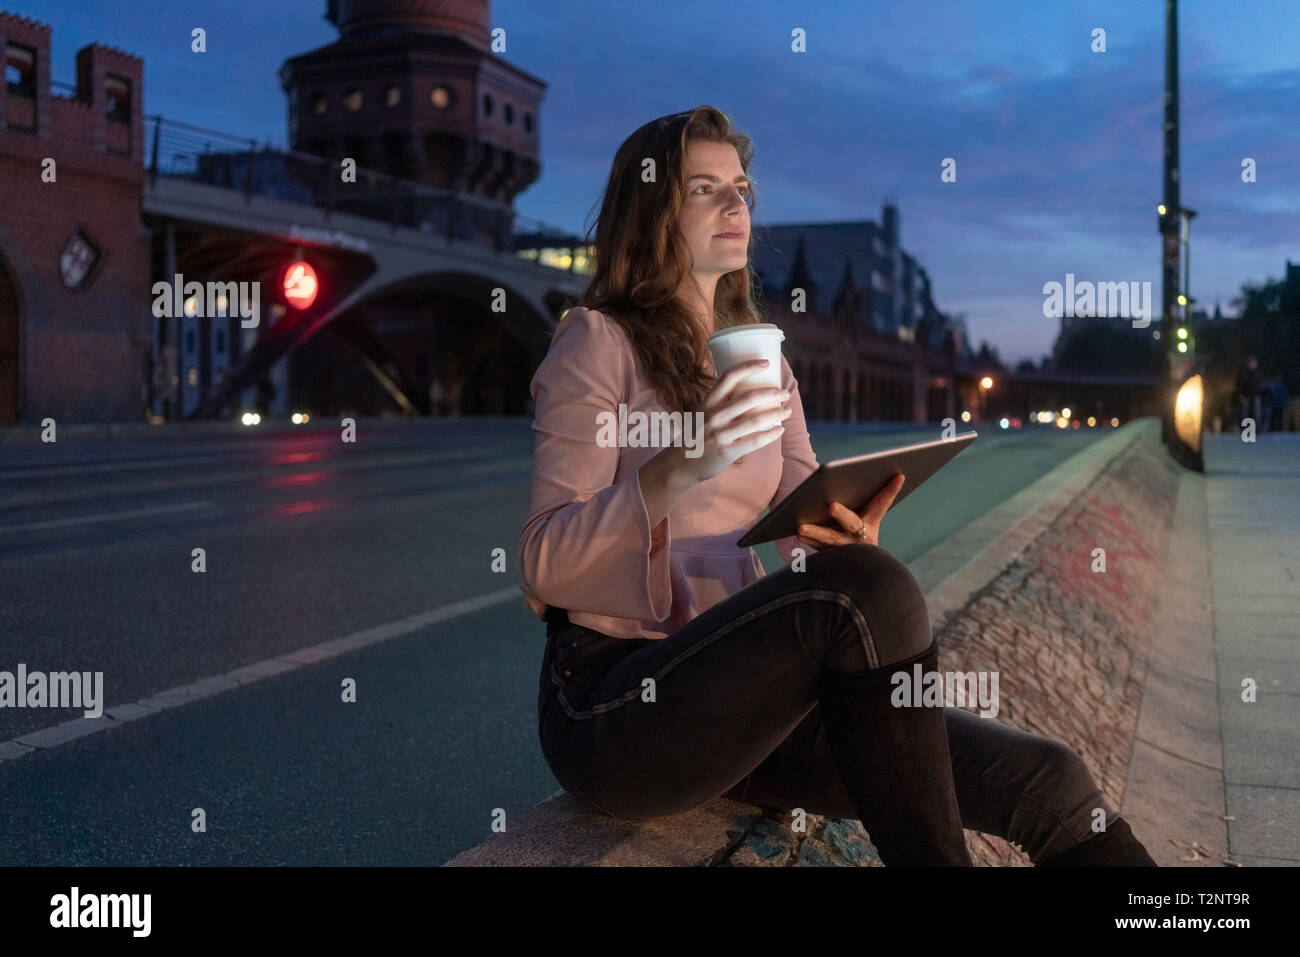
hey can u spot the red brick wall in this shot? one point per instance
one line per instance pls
(82, 350)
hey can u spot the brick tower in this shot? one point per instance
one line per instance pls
(413, 89)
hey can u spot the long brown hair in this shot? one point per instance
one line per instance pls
(642, 260)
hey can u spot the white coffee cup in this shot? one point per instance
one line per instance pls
(756, 340)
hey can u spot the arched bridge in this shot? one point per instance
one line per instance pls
(226, 211)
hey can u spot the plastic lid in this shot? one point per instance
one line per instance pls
(747, 328)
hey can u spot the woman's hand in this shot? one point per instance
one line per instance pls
(737, 420)
(850, 521)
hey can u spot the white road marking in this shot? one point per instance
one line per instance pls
(118, 715)
(104, 517)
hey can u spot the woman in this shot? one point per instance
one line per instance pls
(675, 671)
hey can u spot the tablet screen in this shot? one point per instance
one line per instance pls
(853, 482)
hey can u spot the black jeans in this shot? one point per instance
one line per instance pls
(728, 705)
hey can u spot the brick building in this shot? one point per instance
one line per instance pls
(870, 344)
(75, 327)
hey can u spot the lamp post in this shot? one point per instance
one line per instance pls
(1169, 212)
(1180, 405)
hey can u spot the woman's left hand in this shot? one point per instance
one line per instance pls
(850, 521)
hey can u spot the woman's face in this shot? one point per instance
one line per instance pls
(716, 194)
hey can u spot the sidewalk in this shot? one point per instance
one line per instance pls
(1252, 493)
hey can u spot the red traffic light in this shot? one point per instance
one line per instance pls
(299, 284)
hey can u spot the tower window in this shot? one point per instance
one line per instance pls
(20, 70)
(392, 96)
(440, 97)
(510, 114)
(395, 152)
(353, 101)
(319, 104)
(528, 122)
(117, 94)
(487, 104)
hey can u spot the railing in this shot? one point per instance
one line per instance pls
(183, 151)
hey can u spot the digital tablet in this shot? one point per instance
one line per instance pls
(853, 482)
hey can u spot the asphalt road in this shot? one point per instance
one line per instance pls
(308, 539)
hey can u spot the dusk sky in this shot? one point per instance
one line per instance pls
(1058, 148)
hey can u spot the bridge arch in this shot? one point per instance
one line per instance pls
(432, 342)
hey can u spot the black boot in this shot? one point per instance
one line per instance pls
(1114, 847)
(895, 765)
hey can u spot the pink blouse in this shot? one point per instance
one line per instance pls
(587, 545)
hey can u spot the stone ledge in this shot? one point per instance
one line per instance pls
(561, 831)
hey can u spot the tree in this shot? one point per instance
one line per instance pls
(987, 355)
(1107, 345)
(1269, 327)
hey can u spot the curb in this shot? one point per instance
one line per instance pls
(1174, 789)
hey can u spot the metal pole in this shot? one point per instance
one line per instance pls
(1171, 219)
(153, 160)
